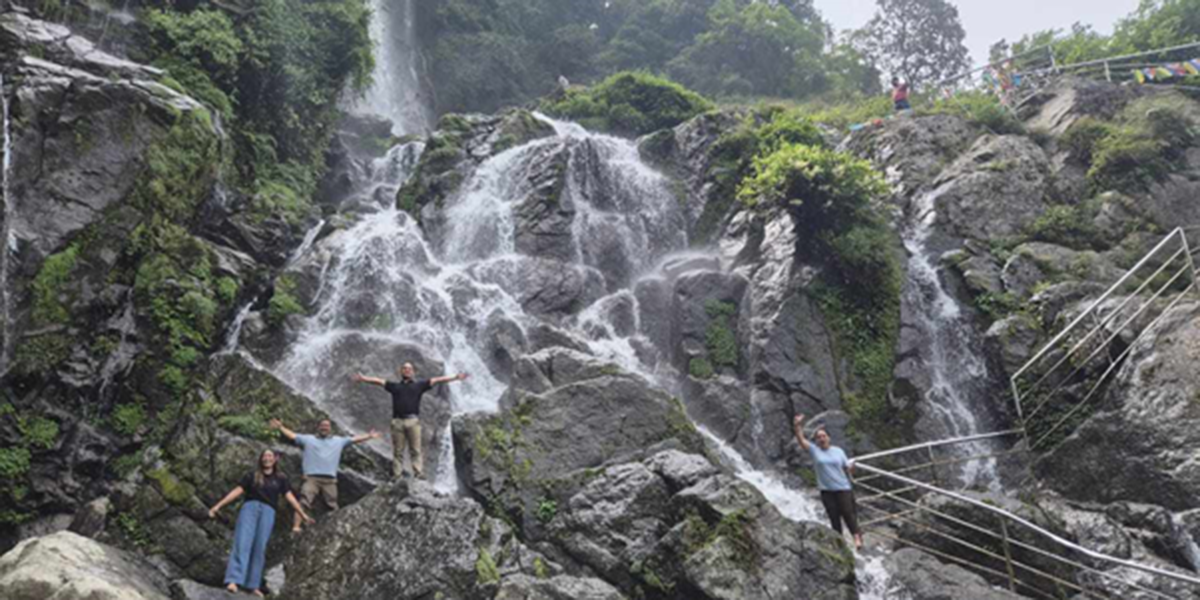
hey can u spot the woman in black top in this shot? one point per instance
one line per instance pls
(262, 488)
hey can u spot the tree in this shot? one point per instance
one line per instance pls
(753, 48)
(919, 41)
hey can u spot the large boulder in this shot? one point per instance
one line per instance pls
(403, 542)
(919, 576)
(673, 526)
(66, 566)
(562, 587)
(1141, 441)
(565, 412)
(995, 189)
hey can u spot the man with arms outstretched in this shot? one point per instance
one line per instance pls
(406, 413)
(322, 455)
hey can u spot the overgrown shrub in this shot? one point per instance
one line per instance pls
(1068, 226)
(1146, 144)
(629, 103)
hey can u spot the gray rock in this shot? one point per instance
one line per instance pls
(691, 532)
(66, 566)
(561, 587)
(544, 288)
(1138, 445)
(545, 217)
(919, 576)
(403, 542)
(504, 343)
(186, 589)
(697, 295)
(1014, 339)
(912, 151)
(89, 521)
(1067, 100)
(995, 189)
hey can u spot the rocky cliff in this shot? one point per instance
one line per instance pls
(640, 331)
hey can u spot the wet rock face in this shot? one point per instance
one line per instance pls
(1139, 444)
(995, 189)
(70, 567)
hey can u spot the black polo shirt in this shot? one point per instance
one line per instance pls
(406, 397)
(269, 492)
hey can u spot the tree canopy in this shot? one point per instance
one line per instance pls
(919, 41)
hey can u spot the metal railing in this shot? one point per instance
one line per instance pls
(1003, 547)
(907, 497)
(1054, 390)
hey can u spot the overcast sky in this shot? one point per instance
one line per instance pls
(989, 20)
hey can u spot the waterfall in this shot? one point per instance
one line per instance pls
(396, 92)
(7, 234)
(952, 354)
(235, 329)
(388, 284)
(794, 504)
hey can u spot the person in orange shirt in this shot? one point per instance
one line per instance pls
(900, 95)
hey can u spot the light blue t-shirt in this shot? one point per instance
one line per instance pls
(321, 456)
(830, 466)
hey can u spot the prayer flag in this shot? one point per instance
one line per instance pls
(1141, 77)
(1192, 66)
(1165, 73)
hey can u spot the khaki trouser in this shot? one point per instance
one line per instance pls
(313, 488)
(406, 433)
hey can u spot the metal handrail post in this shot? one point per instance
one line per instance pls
(1008, 562)
(1107, 72)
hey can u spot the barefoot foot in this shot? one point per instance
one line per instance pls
(232, 588)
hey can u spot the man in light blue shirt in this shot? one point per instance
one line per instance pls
(322, 456)
(833, 470)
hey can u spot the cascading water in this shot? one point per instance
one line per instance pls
(387, 285)
(951, 355)
(6, 234)
(397, 92)
(793, 504)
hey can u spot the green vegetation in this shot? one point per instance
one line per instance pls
(37, 432)
(701, 368)
(283, 303)
(547, 509)
(831, 197)
(127, 419)
(630, 104)
(540, 570)
(733, 529)
(49, 284)
(14, 463)
(176, 492)
(486, 570)
(1068, 226)
(720, 340)
(493, 54)
(40, 354)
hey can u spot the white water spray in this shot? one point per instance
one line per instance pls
(793, 504)
(958, 372)
(397, 91)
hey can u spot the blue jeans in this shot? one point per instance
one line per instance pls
(249, 554)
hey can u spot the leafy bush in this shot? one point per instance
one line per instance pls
(1066, 226)
(128, 419)
(48, 286)
(14, 462)
(1149, 141)
(547, 509)
(38, 432)
(828, 191)
(977, 107)
(283, 304)
(629, 103)
(701, 368)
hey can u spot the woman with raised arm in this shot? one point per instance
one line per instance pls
(833, 479)
(262, 488)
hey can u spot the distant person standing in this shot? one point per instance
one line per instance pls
(322, 456)
(406, 414)
(833, 479)
(900, 95)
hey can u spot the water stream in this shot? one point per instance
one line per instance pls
(951, 351)
(7, 234)
(397, 92)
